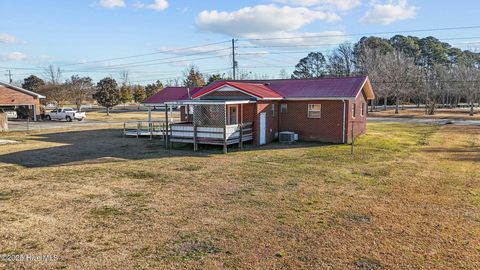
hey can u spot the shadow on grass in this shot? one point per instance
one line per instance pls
(458, 154)
(107, 145)
(90, 146)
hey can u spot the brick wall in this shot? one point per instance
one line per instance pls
(10, 97)
(327, 128)
(359, 122)
(271, 120)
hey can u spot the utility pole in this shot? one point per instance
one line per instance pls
(234, 65)
(9, 75)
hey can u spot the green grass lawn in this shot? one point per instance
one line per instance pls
(409, 198)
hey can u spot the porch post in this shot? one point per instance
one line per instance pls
(195, 146)
(225, 129)
(149, 114)
(34, 113)
(240, 143)
(166, 127)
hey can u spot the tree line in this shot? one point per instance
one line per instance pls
(80, 90)
(403, 69)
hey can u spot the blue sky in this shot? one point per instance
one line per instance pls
(71, 34)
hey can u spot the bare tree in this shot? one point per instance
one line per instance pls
(56, 93)
(341, 61)
(124, 76)
(467, 79)
(283, 74)
(80, 89)
(53, 75)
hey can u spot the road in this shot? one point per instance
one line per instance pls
(425, 121)
(41, 125)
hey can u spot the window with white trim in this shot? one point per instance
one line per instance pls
(314, 111)
(272, 109)
(362, 111)
(283, 108)
(354, 110)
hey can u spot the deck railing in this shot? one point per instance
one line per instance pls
(144, 128)
(230, 134)
(190, 133)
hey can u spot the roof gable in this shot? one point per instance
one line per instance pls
(256, 90)
(20, 89)
(171, 94)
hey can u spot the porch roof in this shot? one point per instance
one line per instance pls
(208, 102)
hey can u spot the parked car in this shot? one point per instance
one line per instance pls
(67, 114)
(11, 114)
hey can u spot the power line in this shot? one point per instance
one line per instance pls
(148, 54)
(134, 64)
(364, 34)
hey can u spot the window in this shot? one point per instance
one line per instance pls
(354, 109)
(272, 109)
(314, 110)
(283, 108)
(362, 111)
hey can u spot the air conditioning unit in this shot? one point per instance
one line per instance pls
(288, 137)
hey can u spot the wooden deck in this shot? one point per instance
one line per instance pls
(230, 134)
(190, 133)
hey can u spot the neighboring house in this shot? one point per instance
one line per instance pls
(12, 97)
(323, 110)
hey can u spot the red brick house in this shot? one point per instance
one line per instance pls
(12, 97)
(323, 110)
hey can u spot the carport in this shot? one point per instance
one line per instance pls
(13, 97)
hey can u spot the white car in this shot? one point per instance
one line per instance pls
(67, 114)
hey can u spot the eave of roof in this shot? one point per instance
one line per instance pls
(25, 91)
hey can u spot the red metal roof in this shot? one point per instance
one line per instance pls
(256, 89)
(171, 94)
(346, 87)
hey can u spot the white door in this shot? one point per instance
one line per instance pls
(263, 128)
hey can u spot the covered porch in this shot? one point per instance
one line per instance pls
(214, 122)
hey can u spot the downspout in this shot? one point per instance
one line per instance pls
(344, 120)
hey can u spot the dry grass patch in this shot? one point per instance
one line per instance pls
(407, 199)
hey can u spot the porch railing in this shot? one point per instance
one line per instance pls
(144, 128)
(225, 135)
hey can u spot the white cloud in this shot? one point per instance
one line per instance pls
(159, 5)
(260, 19)
(13, 56)
(112, 3)
(389, 12)
(329, 4)
(5, 38)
